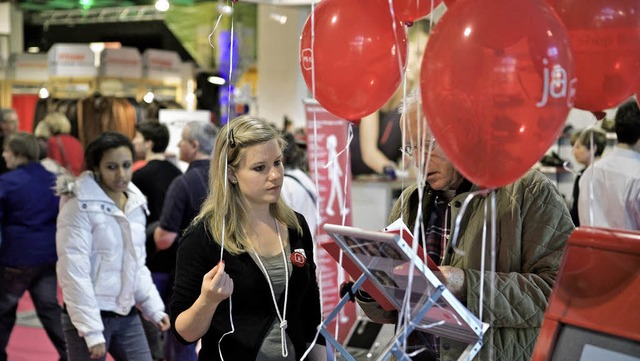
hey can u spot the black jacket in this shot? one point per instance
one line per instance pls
(253, 311)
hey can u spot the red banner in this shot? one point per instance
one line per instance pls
(327, 150)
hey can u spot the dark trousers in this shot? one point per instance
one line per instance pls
(41, 282)
(173, 349)
(124, 336)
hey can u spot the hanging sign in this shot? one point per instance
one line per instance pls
(72, 60)
(28, 67)
(123, 62)
(161, 64)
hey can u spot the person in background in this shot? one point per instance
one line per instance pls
(298, 190)
(153, 180)
(588, 146)
(533, 226)
(42, 134)
(8, 125)
(61, 146)
(101, 257)
(181, 205)
(247, 250)
(610, 187)
(140, 155)
(28, 211)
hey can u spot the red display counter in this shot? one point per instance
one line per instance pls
(594, 309)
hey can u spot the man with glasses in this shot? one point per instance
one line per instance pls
(533, 224)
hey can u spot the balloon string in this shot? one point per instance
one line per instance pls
(463, 209)
(343, 206)
(215, 27)
(335, 157)
(226, 163)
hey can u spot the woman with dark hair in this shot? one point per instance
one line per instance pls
(101, 257)
(245, 277)
(28, 211)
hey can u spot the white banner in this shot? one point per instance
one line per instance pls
(30, 67)
(161, 64)
(124, 62)
(73, 60)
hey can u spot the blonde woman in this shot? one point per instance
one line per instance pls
(245, 277)
(61, 146)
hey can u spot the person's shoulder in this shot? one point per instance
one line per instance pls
(533, 182)
(198, 234)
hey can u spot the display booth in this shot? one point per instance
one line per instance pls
(593, 312)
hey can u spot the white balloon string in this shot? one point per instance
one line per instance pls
(343, 206)
(494, 254)
(482, 259)
(222, 241)
(463, 209)
(215, 27)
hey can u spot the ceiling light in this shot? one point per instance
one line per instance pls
(43, 93)
(225, 9)
(162, 5)
(148, 98)
(216, 80)
(282, 19)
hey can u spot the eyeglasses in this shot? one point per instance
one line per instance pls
(410, 150)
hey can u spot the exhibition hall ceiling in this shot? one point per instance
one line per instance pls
(41, 5)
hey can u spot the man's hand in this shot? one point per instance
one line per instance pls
(98, 351)
(453, 279)
(164, 239)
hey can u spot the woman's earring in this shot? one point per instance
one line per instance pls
(234, 181)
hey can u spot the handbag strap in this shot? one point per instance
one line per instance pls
(63, 154)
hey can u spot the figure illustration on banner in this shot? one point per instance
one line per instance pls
(334, 175)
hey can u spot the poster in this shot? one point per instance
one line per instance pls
(327, 150)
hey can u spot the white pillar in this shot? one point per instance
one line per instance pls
(281, 86)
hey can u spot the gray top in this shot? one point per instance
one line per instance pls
(271, 348)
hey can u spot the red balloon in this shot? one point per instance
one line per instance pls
(605, 37)
(497, 84)
(449, 3)
(412, 10)
(357, 55)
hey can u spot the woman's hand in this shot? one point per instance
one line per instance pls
(217, 286)
(164, 323)
(98, 351)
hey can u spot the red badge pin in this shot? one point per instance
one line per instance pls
(298, 257)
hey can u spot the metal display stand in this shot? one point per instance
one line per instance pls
(401, 277)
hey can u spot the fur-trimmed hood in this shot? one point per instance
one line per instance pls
(86, 188)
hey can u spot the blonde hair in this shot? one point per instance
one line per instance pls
(58, 123)
(42, 130)
(225, 201)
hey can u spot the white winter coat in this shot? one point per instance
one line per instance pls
(101, 257)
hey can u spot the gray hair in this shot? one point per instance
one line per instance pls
(412, 99)
(5, 113)
(204, 133)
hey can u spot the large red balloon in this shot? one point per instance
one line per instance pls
(605, 37)
(357, 55)
(497, 79)
(412, 10)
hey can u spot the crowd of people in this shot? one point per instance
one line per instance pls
(152, 261)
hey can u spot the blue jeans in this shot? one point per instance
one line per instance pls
(125, 339)
(41, 282)
(173, 349)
